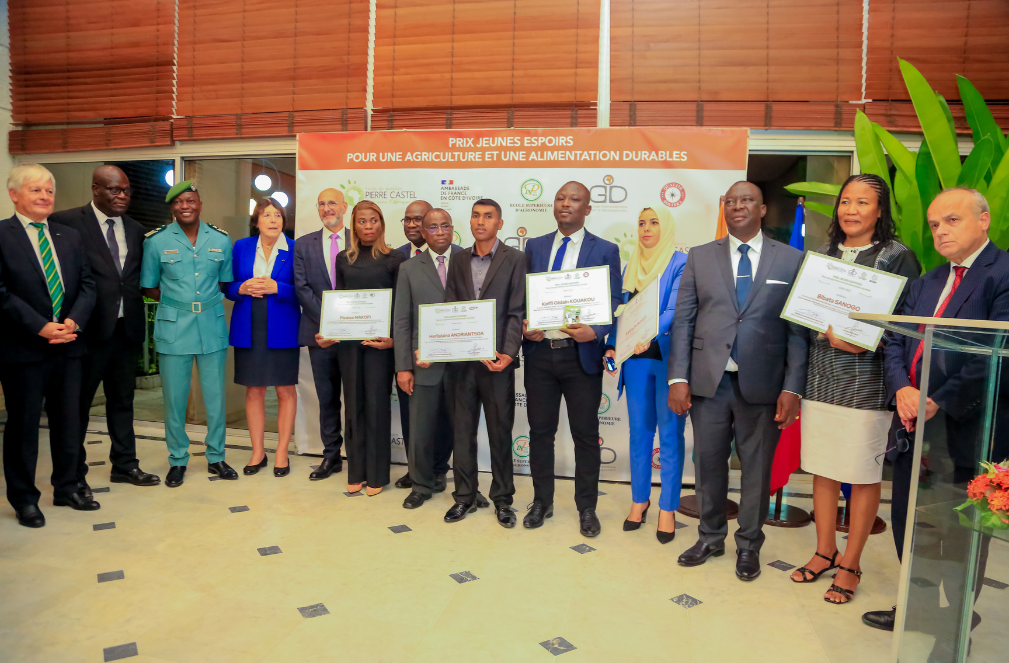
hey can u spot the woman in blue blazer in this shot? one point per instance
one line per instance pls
(266, 353)
(644, 375)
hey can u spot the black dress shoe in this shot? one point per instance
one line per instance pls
(282, 471)
(249, 470)
(30, 516)
(440, 483)
(505, 515)
(223, 470)
(589, 523)
(136, 476)
(404, 481)
(415, 499)
(84, 489)
(175, 476)
(747, 564)
(326, 468)
(459, 511)
(699, 553)
(881, 619)
(77, 502)
(481, 501)
(538, 512)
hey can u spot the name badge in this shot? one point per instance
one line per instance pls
(172, 251)
(217, 250)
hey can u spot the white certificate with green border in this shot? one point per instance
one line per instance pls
(356, 315)
(827, 290)
(574, 296)
(457, 331)
(638, 321)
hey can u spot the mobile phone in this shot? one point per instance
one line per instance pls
(610, 364)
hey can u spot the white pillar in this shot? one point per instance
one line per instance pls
(603, 94)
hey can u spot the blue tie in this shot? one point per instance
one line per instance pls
(559, 258)
(744, 278)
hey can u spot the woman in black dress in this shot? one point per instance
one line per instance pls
(368, 264)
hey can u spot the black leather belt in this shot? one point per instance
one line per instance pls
(557, 344)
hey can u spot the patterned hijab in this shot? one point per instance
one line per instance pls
(646, 265)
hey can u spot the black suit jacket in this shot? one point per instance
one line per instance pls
(311, 279)
(25, 303)
(110, 286)
(505, 282)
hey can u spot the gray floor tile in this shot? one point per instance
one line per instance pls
(269, 550)
(96, 463)
(110, 576)
(399, 529)
(101, 526)
(357, 494)
(924, 583)
(583, 548)
(685, 600)
(103, 489)
(120, 652)
(463, 576)
(557, 646)
(991, 582)
(781, 565)
(316, 610)
(238, 509)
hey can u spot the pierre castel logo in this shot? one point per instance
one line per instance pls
(531, 190)
(521, 446)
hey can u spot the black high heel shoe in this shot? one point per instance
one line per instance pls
(253, 469)
(630, 525)
(282, 471)
(666, 537)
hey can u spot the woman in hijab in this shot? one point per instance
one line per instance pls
(644, 375)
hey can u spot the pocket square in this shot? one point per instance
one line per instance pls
(770, 282)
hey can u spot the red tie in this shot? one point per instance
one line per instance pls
(417, 253)
(959, 272)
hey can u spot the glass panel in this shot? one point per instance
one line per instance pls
(229, 189)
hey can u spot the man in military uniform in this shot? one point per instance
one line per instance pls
(185, 264)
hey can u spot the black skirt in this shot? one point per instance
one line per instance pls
(262, 366)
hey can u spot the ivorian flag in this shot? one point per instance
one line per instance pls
(721, 230)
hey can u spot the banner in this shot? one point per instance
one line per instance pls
(626, 170)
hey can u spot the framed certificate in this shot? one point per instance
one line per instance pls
(459, 331)
(827, 290)
(356, 315)
(638, 321)
(574, 296)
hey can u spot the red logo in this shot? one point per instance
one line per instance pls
(673, 194)
(656, 465)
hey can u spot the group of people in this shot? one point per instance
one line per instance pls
(72, 317)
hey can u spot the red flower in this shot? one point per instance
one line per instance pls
(998, 501)
(978, 487)
(1001, 479)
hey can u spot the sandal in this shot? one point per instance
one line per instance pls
(848, 594)
(815, 575)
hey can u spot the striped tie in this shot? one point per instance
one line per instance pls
(49, 267)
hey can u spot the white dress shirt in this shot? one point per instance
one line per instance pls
(447, 255)
(263, 265)
(33, 237)
(120, 233)
(968, 262)
(327, 236)
(570, 261)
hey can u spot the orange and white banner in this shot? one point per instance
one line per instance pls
(685, 170)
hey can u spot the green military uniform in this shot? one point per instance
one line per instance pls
(190, 325)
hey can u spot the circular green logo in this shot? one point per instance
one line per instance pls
(521, 446)
(604, 404)
(532, 190)
(456, 237)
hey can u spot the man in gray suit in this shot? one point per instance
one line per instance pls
(740, 370)
(429, 388)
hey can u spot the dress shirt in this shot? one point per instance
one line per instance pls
(120, 232)
(952, 274)
(263, 265)
(327, 236)
(479, 266)
(414, 251)
(570, 262)
(447, 255)
(33, 237)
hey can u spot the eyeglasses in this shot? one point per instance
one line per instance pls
(115, 190)
(412, 220)
(330, 204)
(433, 230)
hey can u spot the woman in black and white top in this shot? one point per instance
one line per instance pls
(845, 421)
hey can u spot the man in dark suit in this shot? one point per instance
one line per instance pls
(974, 285)
(429, 389)
(413, 220)
(315, 272)
(46, 297)
(740, 370)
(567, 363)
(114, 245)
(487, 270)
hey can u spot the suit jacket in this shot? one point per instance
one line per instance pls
(418, 284)
(772, 352)
(25, 303)
(111, 287)
(595, 252)
(282, 309)
(505, 282)
(311, 279)
(957, 379)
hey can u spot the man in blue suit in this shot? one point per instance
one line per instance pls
(567, 363)
(974, 285)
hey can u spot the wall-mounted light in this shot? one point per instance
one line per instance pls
(280, 197)
(263, 182)
(170, 178)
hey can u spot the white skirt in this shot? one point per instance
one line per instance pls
(842, 443)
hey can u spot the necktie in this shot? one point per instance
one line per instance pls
(442, 272)
(559, 258)
(110, 237)
(957, 277)
(334, 249)
(49, 267)
(417, 252)
(744, 278)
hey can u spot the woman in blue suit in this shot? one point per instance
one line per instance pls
(644, 375)
(266, 354)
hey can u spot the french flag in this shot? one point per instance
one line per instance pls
(444, 182)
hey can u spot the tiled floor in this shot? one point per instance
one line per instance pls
(305, 573)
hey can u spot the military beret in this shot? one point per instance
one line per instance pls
(179, 189)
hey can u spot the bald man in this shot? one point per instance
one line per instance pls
(115, 334)
(567, 363)
(315, 272)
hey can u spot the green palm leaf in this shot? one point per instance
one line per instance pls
(976, 166)
(980, 119)
(934, 124)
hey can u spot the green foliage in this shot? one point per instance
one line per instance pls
(826, 210)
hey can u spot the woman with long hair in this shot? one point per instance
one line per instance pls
(845, 421)
(644, 375)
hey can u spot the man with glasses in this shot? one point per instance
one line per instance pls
(114, 336)
(429, 386)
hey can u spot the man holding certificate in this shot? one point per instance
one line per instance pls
(567, 360)
(488, 270)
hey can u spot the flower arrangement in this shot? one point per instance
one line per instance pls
(989, 493)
